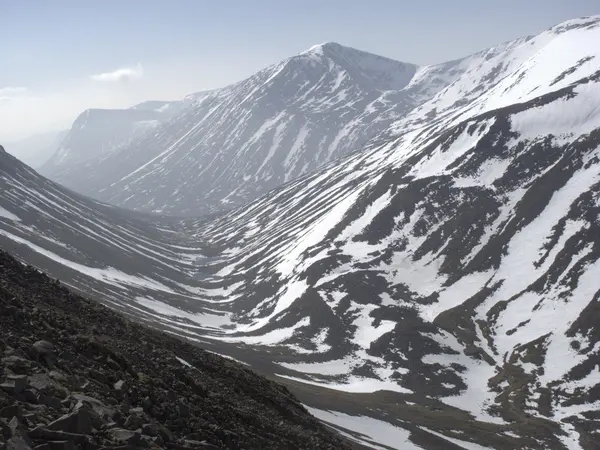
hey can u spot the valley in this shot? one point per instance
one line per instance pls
(438, 277)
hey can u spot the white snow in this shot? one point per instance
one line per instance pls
(373, 432)
(464, 444)
(8, 215)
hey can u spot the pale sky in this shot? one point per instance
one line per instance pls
(58, 58)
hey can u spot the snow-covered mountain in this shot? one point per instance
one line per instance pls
(285, 121)
(98, 132)
(453, 263)
(36, 150)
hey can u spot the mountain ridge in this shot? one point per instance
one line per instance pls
(276, 125)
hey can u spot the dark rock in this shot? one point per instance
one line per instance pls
(17, 443)
(53, 435)
(98, 376)
(27, 396)
(79, 422)
(183, 410)
(14, 384)
(150, 429)
(165, 433)
(50, 401)
(200, 445)
(133, 422)
(44, 352)
(61, 445)
(5, 430)
(15, 425)
(147, 403)
(95, 405)
(44, 383)
(43, 348)
(42, 447)
(18, 365)
(122, 436)
(57, 375)
(113, 364)
(11, 411)
(114, 374)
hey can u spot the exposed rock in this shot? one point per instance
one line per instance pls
(101, 390)
(14, 384)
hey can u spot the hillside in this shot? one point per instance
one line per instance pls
(74, 373)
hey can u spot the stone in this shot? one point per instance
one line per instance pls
(123, 436)
(50, 401)
(17, 365)
(42, 447)
(45, 352)
(11, 411)
(57, 375)
(17, 443)
(165, 433)
(5, 430)
(14, 385)
(150, 429)
(61, 445)
(95, 405)
(43, 433)
(183, 410)
(79, 422)
(27, 396)
(44, 348)
(133, 422)
(98, 376)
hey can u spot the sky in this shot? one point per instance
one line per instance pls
(59, 58)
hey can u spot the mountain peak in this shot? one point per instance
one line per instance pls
(324, 47)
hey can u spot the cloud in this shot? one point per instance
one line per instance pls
(10, 93)
(120, 75)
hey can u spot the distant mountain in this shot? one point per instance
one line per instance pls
(440, 284)
(236, 143)
(36, 150)
(97, 133)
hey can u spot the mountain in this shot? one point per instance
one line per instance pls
(85, 381)
(437, 289)
(241, 141)
(36, 150)
(98, 132)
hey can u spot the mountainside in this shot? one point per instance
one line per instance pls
(238, 142)
(98, 132)
(36, 150)
(76, 374)
(452, 263)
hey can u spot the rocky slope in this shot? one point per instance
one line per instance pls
(73, 374)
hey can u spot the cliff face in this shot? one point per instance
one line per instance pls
(74, 374)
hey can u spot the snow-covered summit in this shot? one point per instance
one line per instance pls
(234, 143)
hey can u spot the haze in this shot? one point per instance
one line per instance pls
(60, 58)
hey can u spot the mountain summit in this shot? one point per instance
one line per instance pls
(235, 143)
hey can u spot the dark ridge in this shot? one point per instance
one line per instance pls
(76, 375)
